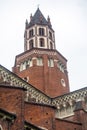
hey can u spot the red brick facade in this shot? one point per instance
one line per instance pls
(67, 125)
(45, 78)
(41, 115)
(12, 101)
(50, 74)
(39, 97)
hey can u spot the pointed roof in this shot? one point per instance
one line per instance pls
(38, 18)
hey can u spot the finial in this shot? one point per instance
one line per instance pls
(30, 17)
(48, 19)
(38, 6)
(26, 23)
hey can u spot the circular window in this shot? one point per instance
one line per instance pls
(63, 83)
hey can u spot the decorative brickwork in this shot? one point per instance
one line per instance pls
(36, 95)
(65, 103)
(32, 93)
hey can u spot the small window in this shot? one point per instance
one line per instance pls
(61, 66)
(31, 33)
(50, 62)
(63, 83)
(50, 35)
(39, 61)
(22, 66)
(30, 44)
(26, 79)
(29, 62)
(26, 64)
(41, 31)
(41, 42)
(51, 45)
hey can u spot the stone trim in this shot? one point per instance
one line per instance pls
(64, 102)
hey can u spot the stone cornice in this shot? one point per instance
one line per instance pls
(71, 97)
(35, 95)
(39, 51)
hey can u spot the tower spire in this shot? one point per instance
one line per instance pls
(38, 6)
(41, 63)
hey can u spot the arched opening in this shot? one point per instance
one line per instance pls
(51, 45)
(41, 42)
(50, 62)
(41, 31)
(31, 33)
(39, 61)
(50, 35)
(30, 44)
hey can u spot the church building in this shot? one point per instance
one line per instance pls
(36, 94)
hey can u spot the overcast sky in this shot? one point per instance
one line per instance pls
(69, 21)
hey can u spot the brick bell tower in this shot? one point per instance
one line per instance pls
(41, 64)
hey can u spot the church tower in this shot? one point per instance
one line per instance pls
(41, 64)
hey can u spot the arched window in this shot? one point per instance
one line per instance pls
(51, 45)
(39, 61)
(50, 35)
(50, 62)
(29, 62)
(26, 64)
(23, 66)
(41, 31)
(31, 33)
(30, 44)
(61, 66)
(41, 42)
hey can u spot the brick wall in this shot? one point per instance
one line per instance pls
(67, 125)
(81, 116)
(46, 79)
(40, 115)
(12, 100)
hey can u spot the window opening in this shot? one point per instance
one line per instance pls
(50, 62)
(41, 42)
(31, 44)
(39, 61)
(29, 62)
(61, 66)
(41, 31)
(50, 35)
(51, 45)
(26, 64)
(31, 33)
